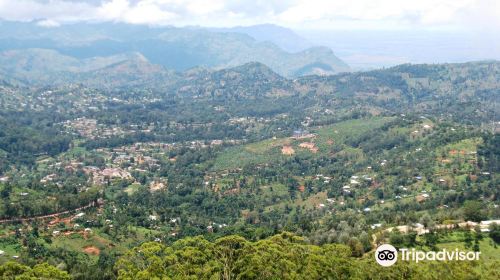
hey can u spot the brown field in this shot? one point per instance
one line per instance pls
(92, 250)
(287, 150)
(310, 146)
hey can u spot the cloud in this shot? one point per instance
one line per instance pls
(48, 23)
(142, 12)
(26, 10)
(313, 14)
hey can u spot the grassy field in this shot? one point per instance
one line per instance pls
(487, 247)
(268, 151)
(340, 132)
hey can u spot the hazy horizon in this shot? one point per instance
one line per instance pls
(365, 34)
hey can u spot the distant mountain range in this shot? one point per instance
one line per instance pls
(283, 37)
(84, 47)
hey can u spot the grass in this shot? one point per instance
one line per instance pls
(11, 249)
(455, 240)
(269, 151)
(132, 188)
(274, 192)
(486, 246)
(342, 131)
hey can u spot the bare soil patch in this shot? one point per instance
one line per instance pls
(92, 250)
(287, 150)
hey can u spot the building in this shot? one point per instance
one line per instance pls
(299, 133)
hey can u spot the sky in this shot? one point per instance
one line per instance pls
(481, 15)
(364, 33)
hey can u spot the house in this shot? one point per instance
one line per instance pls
(79, 215)
(116, 173)
(374, 226)
(299, 133)
(216, 142)
(485, 225)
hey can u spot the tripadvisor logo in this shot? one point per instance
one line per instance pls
(387, 255)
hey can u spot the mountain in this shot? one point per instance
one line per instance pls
(177, 49)
(283, 37)
(48, 66)
(45, 66)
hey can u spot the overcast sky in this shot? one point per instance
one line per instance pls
(299, 14)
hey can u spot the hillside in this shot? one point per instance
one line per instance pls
(283, 37)
(101, 167)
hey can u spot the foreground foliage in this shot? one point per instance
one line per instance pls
(13, 270)
(283, 256)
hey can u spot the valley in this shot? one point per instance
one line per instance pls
(205, 156)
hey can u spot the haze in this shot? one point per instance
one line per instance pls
(365, 34)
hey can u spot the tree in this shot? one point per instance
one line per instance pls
(13, 270)
(228, 250)
(473, 211)
(426, 220)
(495, 232)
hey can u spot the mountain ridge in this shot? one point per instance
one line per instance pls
(175, 48)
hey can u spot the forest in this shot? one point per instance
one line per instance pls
(217, 172)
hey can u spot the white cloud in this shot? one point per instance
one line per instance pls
(314, 14)
(422, 12)
(25, 10)
(48, 23)
(143, 12)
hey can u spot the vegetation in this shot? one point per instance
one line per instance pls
(212, 174)
(283, 256)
